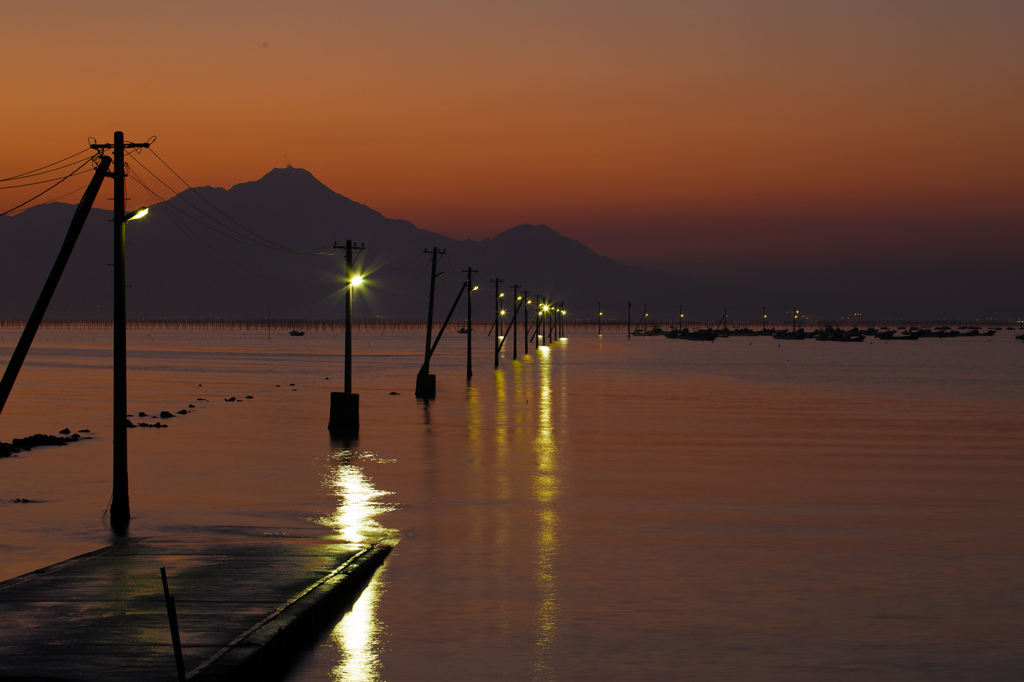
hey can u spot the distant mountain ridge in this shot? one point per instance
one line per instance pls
(269, 244)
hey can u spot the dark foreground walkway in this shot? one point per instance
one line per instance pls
(244, 608)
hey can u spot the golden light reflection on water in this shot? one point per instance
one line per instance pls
(358, 503)
(545, 494)
(357, 637)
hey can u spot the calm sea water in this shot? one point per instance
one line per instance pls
(601, 509)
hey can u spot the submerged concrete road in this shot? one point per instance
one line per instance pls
(243, 608)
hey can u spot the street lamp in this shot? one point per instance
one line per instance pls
(345, 406)
(353, 282)
(120, 507)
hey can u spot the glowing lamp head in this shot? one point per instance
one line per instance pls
(357, 280)
(140, 212)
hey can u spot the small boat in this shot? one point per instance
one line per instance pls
(464, 331)
(296, 332)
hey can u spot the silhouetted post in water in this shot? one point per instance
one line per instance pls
(120, 510)
(629, 319)
(599, 313)
(497, 315)
(515, 316)
(509, 327)
(426, 383)
(469, 321)
(345, 406)
(348, 312)
(34, 320)
(537, 322)
(526, 322)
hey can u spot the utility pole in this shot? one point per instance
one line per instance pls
(426, 383)
(345, 406)
(515, 318)
(537, 322)
(348, 311)
(469, 322)
(497, 316)
(629, 319)
(526, 322)
(599, 313)
(120, 509)
(551, 323)
(36, 318)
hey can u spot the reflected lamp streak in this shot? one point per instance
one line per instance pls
(357, 637)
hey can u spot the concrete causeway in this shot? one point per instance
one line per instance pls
(244, 608)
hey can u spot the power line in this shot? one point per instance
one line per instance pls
(42, 168)
(58, 182)
(39, 182)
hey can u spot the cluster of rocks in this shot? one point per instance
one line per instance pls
(24, 444)
(164, 414)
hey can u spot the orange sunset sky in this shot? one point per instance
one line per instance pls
(631, 126)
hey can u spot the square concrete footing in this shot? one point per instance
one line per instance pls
(426, 386)
(344, 412)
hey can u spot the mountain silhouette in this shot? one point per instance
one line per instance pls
(269, 244)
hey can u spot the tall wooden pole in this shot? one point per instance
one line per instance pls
(515, 318)
(497, 319)
(120, 511)
(430, 312)
(469, 322)
(36, 318)
(526, 322)
(348, 316)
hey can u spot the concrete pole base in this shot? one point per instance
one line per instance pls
(426, 386)
(344, 412)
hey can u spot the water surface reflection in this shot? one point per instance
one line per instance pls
(545, 496)
(356, 639)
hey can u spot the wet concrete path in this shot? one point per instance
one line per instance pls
(243, 608)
